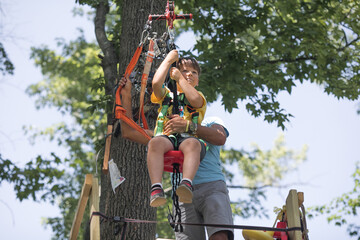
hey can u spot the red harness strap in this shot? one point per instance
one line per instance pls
(119, 110)
(133, 61)
(171, 158)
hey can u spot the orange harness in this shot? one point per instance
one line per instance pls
(119, 111)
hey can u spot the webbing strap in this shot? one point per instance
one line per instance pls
(149, 59)
(119, 111)
(120, 114)
(133, 61)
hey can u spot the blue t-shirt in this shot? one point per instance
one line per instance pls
(210, 167)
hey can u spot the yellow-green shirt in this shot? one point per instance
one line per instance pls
(186, 113)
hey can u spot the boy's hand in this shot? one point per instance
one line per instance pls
(176, 124)
(173, 56)
(175, 74)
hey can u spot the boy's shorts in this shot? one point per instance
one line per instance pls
(177, 139)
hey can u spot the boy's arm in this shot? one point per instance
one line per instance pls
(127, 131)
(191, 94)
(161, 73)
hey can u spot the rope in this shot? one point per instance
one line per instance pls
(175, 179)
(117, 219)
(304, 224)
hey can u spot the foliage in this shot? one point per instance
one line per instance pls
(252, 50)
(6, 66)
(342, 211)
(256, 49)
(73, 85)
(260, 169)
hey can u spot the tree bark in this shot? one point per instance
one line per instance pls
(131, 199)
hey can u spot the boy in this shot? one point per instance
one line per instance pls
(192, 108)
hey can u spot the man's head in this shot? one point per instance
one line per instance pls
(190, 70)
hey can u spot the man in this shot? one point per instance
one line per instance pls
(211, 203)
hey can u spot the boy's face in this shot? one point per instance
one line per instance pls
(189, 73)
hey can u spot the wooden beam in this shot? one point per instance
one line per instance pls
(293, 214)
(85, 192)
(94, 207)
(105, 167)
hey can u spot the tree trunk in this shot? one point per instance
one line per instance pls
(131, 199)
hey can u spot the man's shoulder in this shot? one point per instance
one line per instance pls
(208, 121)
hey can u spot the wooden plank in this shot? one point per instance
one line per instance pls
(105, 167)
(300, 198)
(94, 207)
(293, 214)
(85, 192)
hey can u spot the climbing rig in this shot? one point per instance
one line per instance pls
(291, 226)
(157, 47)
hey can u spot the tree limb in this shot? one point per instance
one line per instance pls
(108, 61)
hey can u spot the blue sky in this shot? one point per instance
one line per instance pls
(328, 126)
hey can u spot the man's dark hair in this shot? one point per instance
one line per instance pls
(193, 61)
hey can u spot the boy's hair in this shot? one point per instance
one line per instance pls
(193, 61)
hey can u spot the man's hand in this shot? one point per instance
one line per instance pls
(176, 124)
(126, 86)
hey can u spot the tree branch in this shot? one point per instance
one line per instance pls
(265, 186)
(291, 60)
(109, 60)
(349, 44)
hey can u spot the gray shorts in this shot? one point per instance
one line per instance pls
(211, 204)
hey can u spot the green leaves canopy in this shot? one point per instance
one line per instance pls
(6, 66)
(249, 51)
(252, 50)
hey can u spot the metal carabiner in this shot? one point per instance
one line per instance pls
(171, 34)
(143, 39)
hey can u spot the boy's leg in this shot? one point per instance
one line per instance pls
(193, 151)
(157, 147)
(155, 160)
(191, 148)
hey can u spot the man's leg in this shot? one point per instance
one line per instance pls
(190, 215)
(216, 209)
(221, 235)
